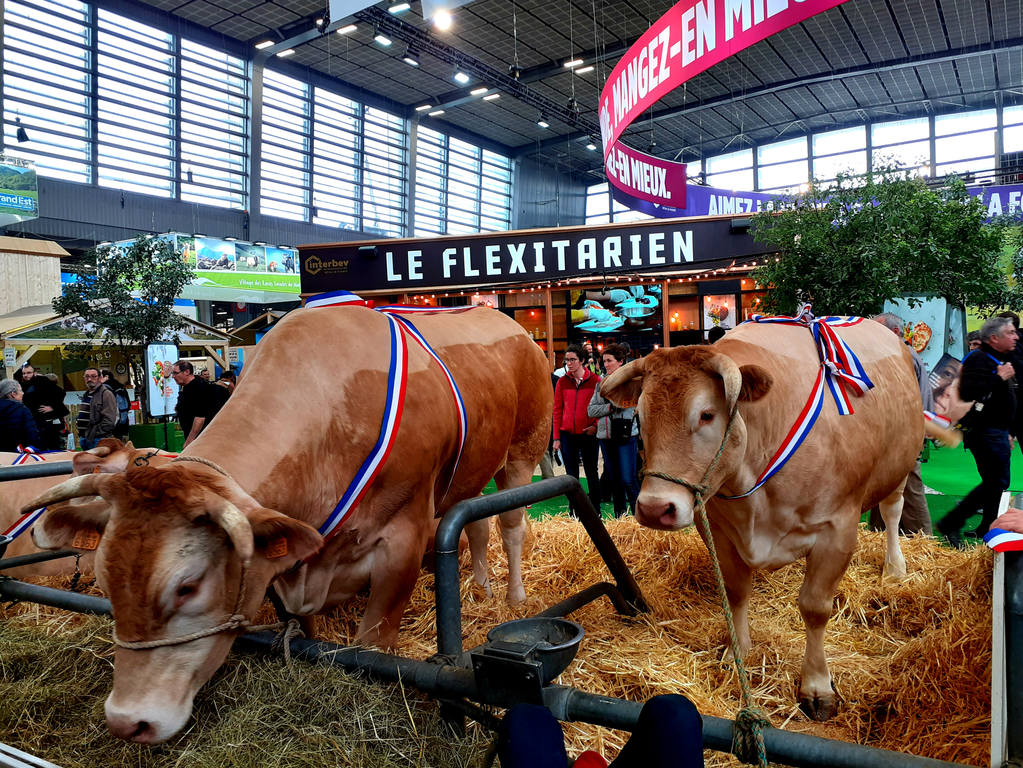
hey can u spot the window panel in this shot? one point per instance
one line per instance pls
(899, 131)
(964, 122)
(782, 151)
(46, 63)
(827, 168)
(730, 162)
(453, 179)
(914, 153)
(783, 175)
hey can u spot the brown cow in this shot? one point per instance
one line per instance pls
(811, 507)
(110, 455)
(189, 548)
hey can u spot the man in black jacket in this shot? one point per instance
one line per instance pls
(45, 400)
(988, 379)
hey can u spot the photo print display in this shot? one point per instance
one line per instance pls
(625, 309)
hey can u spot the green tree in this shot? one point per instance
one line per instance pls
(848, 246)
(129, 296)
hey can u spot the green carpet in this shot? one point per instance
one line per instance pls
(949, 471)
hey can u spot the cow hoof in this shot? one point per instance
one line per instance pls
(516, 595)
(893, 573)
(480, 592)
(819, 708)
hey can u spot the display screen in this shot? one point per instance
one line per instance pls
(627, 309)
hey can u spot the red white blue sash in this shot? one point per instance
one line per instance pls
(840, 370)
(1001, 540)
(397, 379)
(26, 453)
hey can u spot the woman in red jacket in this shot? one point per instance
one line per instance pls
(575, 433)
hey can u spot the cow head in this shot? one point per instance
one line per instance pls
(684, 397)
(181, 548)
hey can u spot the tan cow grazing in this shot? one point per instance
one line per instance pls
(811, 508)
(189, 548)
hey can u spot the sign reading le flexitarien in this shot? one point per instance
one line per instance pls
(521, 257)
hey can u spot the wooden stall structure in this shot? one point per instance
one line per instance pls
(29, 272)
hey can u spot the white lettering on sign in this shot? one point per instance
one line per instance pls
(586, 253)
(468, 270)
(648, 178)
(634, 241)
(612, 251)
(698, 26)
(656, 247)
(538, 250)
(721, 204)
(749, 13)
(493, 259)
(391, 274)
(448, 259)
(415, 265)
(1013, 202)
(516, 253)
(994, 205)
(559, 247)
(682, 246)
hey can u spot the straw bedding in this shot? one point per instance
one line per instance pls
(912, 662)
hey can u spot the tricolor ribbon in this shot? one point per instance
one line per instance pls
(23, 523)
(1001, 540)
(935, 418)
(397, 380)
(840, 370)
(27, 452)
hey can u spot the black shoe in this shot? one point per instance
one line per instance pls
(952, 536)
(977, 534)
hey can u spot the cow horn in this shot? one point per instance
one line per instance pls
(76, 487)
(236, 525)
(729, 372)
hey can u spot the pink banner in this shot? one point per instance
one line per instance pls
(646, 177)
(691, 37)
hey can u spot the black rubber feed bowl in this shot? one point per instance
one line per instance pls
(551, 641)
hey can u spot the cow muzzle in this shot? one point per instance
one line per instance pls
(664, 506)
(146, 722)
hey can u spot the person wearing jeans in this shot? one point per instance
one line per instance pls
(988, 379)
(575, 432)
(617, 431)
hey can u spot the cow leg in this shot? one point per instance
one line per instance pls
(891, 513)
(513, 526)
(825, 565)
(393, 575)
(738, 586)
(478, 533)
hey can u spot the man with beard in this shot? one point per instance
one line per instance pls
(45, 400)
(198, 400)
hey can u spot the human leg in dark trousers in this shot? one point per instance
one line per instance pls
(669, 734)
(991, 452)
(588, 451)
(916, 518)
(628, 458)
(531, 737)
(613, 470)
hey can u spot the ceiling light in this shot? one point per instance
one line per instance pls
(319, 22)
(479, 91)
(584, 70)
(461, 78)
(411, 58)
(491, 97)
(442, 19)
(436, 113)
(542, 122)
(572, 63)
(264, 44)
(381, 38)
(288, 52)
(347, 30)
(398, 7)
(424, 107)
(591, 144)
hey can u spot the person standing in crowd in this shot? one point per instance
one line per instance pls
(17, 427)
(228, 380)
(590, 362)
(988, 379)
(972, 341)
(45, 400)
(916, 518)
(197, 403)
(123, 402)
(575, 433)
(617, 431)
(1016, 358)
(97, 415)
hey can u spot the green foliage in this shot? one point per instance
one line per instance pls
(849, 246)
(129, 295)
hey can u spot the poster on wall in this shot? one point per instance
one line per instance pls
(932, 327)
(630, 308)
(719, 311)
(19, 190)
(161, 389)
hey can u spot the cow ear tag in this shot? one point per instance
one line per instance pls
(86, 540)
(277, 548)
